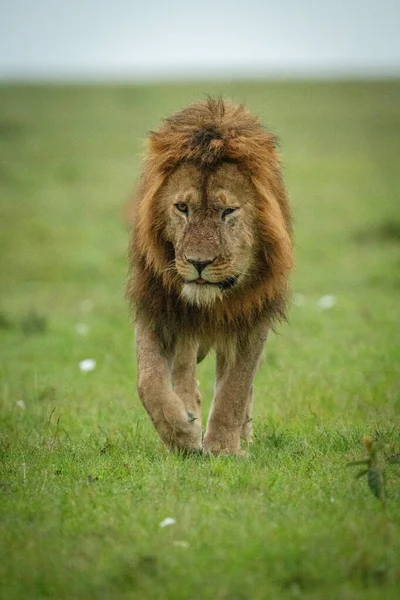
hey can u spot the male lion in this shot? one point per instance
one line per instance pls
(210, 256)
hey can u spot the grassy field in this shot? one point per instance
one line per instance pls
(84, 481)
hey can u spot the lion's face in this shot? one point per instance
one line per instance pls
(210, 222)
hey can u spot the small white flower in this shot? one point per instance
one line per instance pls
(181, 543)
(326, 302)
(81, 328)
(21, 404)
(299, 299)
(168, 521)
(89, 364)
(332, 499)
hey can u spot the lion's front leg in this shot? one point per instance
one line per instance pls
(175, 426)
(230, 416)
(247, 427)
(184, 381)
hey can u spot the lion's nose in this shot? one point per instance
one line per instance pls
(199, 264)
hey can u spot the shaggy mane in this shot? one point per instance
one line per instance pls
(208, 134)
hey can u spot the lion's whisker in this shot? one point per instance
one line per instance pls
(170, 266)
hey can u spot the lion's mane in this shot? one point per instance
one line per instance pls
(206, 135)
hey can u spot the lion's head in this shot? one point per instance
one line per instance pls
(210, 222)
(212, 217)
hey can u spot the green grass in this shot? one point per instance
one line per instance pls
(84, 481)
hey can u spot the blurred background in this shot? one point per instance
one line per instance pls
(130, 40)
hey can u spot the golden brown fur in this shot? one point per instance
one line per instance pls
(209, 159)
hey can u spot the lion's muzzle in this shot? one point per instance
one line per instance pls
(199, 265)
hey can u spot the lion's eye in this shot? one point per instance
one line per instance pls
(182, 207)
(228, 211)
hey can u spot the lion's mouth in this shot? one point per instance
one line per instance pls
(226, 284)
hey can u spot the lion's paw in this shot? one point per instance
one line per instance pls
(223, 446)
(181, 436)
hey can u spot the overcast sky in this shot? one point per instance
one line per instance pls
(124, 39)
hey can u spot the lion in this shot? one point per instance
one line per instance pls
(210, 257)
